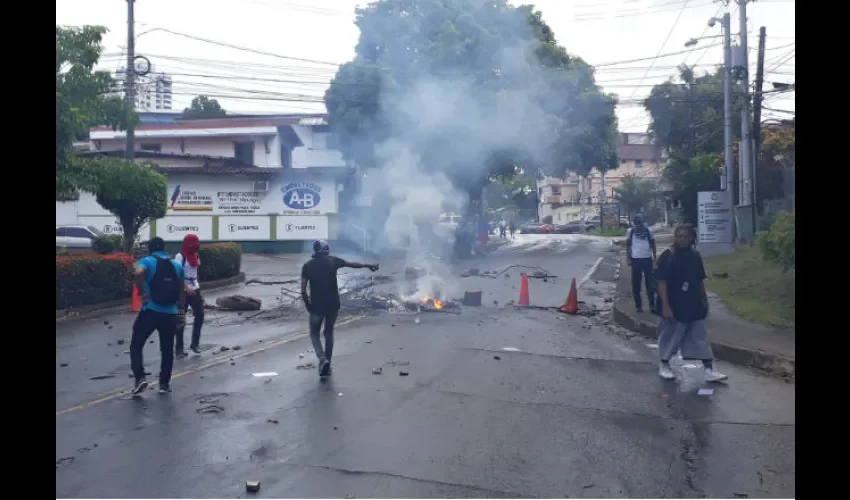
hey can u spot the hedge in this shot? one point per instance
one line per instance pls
(779, 243)
(85, 279)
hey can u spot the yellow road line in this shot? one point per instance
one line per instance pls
(265, 347)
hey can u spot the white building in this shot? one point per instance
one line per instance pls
(269, 179)
(154, 91)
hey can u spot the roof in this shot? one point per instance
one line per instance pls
(162, 121)
(631, 152)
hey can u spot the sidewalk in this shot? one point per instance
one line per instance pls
(733, 339)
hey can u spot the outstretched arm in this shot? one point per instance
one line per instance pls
(359, 265)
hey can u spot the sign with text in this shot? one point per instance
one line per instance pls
(305, 227)
(110, 225)
(239, 202)
(189, 200)
(244, 228)
(301, 198)
(175, 228)
(714, 210)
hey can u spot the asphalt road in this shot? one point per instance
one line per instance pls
(499, 402)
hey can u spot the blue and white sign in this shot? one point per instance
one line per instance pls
(302, 197)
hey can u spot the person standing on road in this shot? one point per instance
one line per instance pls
(512, 227)
(160, 283)
(188, 258)
(641, 252)
(683, 306)
(323, 300)
(483, 233)
(503, 229)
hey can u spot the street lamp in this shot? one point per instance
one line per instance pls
(726, 181)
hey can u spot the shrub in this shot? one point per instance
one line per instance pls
(86, 279)
(547, 219)
(219, 261)
(779, 243)
(107, 244)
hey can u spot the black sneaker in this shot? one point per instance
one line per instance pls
(195, 349)
(141, 385)
(164, 388)
(639, 309)
(324, 368)
(181, 354)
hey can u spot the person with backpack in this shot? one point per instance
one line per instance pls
(323, 302)
(641, 254)
(683, 306)
(160, 283)
(188, 258)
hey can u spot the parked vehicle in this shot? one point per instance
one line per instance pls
(529, 228)
(76, 237)
(545, 229)
(572, 227)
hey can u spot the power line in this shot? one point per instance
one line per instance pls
(663, 44)
(637, 12)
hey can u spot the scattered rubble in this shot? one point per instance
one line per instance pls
(252, 486)
(377, 371)
(403, 373)
(238, 303)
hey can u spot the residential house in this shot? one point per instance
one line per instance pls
(265, 180)
(559, 198)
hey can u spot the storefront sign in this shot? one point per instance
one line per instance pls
(244, 228)
(239, 202)
(714, 209)
(306, 227)
(302, 198)
(175, 228)
(190, 200)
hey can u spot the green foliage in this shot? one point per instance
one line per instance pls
(87, 279)
(547, 219)
(83, 100)
(779, 243)
(689, 176)
(608, 231)
(204, 107)
(108, 243)
(219, 261)
(135, 193)
(502, 65)
(634, 194)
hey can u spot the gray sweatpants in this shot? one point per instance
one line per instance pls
(691, 338)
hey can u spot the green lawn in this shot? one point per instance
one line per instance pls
(755, 289)
(614, 231)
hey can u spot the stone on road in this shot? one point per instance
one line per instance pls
(569, 410)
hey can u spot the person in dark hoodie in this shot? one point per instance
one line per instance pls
(683, 306)
(323, 302)
(641, 253)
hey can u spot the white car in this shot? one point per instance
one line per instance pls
(76, 237)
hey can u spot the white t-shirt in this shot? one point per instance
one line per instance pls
(190, 272)
(640, 247)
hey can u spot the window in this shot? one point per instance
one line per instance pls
(77, 232)
(638, 163)
(244, 152)
(150, 147)
(60, 231)
(556, 190)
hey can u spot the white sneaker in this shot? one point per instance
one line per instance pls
(714, 376)
(665, 372)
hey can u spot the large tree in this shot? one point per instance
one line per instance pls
(204, 107)
(471, 88)
(83, 100)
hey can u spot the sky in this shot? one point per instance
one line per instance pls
(294, 46)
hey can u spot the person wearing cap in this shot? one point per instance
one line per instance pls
(322, 301)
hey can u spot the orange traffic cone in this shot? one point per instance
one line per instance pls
(523, 291)
(135, 302)
(571, 305)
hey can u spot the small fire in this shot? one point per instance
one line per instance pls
(435, 303)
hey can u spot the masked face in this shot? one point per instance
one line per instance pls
(683, 238)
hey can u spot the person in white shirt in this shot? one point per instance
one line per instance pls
(188, 258)
(640, 249)
(503, 229)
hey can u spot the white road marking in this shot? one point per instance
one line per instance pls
(590, 273)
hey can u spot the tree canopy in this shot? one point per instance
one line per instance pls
(471, 89)
(634, 193)
(135, 193)
(83, 100)
(204, 107)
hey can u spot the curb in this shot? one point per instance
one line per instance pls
(773, 364)
(116, 306)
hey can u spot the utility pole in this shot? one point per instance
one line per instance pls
(728, 181)
(757, 100)
(130, 75)
(746, 123)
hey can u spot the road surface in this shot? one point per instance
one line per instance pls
(498, 402)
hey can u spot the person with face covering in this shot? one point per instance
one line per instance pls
(640, 250)
(188, 258)
(683, 306)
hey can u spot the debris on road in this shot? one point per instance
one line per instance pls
(301, 355)
(63, 365)
(210, 409)
(510, 349)
(377, 371)
(223, 348)
(238, 303)
(252, 486)
(472, 298)
(497, 358)
(403, 373)
(237, 347)
(306, 366)
(272, 421)
(705, 392)
(397, 363)
(261, 282)
(265, 374)
(64, 461)
(102, 377)
(120, 342)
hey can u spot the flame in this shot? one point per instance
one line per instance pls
(435, 303)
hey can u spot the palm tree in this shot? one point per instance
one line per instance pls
(634, 194)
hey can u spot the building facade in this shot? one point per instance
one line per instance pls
(269, 181)
(153, 90)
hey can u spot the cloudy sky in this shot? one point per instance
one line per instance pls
(278, 55)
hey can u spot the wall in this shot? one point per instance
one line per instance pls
(316, 151)
(221, 146)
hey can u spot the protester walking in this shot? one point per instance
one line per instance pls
(188, 258)
(640, 249)
(323, 300)
(683, 306)
(503, 229)
(512, 227)
(159, 281)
